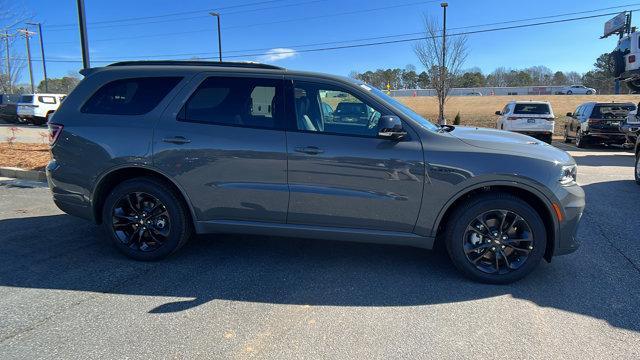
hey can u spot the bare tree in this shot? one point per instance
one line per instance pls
(11, 16)
(441, 71)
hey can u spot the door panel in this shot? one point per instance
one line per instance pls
(228, 153)
(340, 173)
(355, 182)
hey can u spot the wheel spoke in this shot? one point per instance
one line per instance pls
(130, 204)
(505, 257)
(469, 249)
(526, 251)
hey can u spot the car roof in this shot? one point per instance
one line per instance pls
(530, 102)
(211, 66)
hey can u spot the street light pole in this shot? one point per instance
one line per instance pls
(28, 33)
(217, 15)
(443, 68)
(84, 41)
(6, 43)
(44, 62)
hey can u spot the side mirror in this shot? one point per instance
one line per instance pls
(499, 113)
(390, 127)
(570, 114)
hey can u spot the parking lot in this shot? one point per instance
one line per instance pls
(66, 293)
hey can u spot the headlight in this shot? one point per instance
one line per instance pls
(568, 175)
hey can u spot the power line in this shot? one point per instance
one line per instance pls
(398, 41)
(372, 38)
(203, 15)
(206, 11)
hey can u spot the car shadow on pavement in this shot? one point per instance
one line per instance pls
(70, 254)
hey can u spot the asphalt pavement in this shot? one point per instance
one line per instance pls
(66, 293)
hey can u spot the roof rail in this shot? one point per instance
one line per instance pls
(250, 65)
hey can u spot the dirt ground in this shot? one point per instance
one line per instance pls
(480, 110)
(25, 156)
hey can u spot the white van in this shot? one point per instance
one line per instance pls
(37, 108)
(533, 118)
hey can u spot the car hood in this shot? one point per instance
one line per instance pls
(511, 143)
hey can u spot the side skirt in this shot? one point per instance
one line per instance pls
(314, 232)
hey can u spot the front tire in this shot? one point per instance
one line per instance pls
(496, 238)
(145, 219)
(581, 140)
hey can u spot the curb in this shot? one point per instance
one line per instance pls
(17, 173)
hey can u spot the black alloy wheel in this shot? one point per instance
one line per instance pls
(495, 238)
(498, 242)
(146, 218)
(141, 221)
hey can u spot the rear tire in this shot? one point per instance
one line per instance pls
(581, 140)
(589, 92)
(637, 169)
(566, 136)
(548, 139)
(141, 237)
(569, 92)
(524, 260)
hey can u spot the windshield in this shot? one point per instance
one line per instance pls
(402, 107)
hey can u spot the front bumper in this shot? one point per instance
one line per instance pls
(572, 203)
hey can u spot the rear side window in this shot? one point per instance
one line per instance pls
(532, 109)
(135, 96)
(613, 111)
(47, 99)
(245, 102)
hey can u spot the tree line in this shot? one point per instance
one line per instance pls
(601, 77)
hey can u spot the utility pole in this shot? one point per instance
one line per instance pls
(28, 33)
(44, 62)
(217, 15)
(443, 68)
(84, 41)
(6, 43)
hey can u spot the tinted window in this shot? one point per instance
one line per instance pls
(47, 99)
(134, 96)
(321, 108)
(236, 102)
(613, 111)
(26, 99)
(532, 109)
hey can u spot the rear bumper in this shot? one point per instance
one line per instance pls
(613, 137)
(72, 203)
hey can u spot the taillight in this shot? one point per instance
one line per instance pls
(594, 121)
(513, 118)
(550, 119)
(54, 132)
(632, 59)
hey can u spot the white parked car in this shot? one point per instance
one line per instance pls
(577, 90)
(37, 108)
(533, 118)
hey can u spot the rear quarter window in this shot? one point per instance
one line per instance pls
(133, 96)
(532, 109)
(47, 99)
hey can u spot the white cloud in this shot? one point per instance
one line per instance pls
(278, 54)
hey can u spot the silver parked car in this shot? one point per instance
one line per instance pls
(158, 151)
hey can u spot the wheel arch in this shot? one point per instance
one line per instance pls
(536, 199)
(113, 177)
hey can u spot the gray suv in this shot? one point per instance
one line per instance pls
(157, 151)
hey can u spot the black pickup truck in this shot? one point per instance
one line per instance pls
(9, 107)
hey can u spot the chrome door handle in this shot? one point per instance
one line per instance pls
(311, 150)
(178, 140)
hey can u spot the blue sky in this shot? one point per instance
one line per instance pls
(283, 24)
